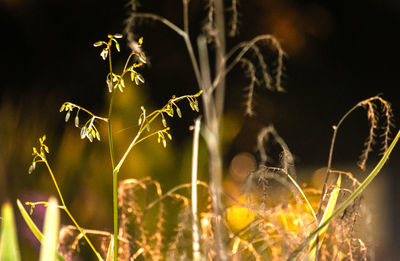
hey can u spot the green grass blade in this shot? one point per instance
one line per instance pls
(48, 250)
(32, 226)
(9, 250)
(350, 199)
(330, 207)
(110, 251)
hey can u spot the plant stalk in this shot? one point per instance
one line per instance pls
(114, 178)
(195, 220)
(350, 199)
(68, 213)
(213, 142)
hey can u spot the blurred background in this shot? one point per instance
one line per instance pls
(338, 53)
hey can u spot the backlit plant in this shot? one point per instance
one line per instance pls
(305, 226)
(89, 130)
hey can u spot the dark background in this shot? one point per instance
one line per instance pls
(338, 53)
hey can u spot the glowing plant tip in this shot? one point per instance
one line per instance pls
(39, 155)
(114, 80)
(88, 130)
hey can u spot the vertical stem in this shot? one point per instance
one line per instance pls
(186, 16)
(219, 56)
(195, 221)
(115, 213)
(115, 178)
(329, 166)
(213, 143)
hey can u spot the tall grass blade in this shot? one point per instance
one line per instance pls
(328, 212)
(110, 252)
(51, 227)
(9, 250)
(350, 199)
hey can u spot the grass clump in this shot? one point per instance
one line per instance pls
(274, 218)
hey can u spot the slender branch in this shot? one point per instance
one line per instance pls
(179, 31)
(67, 211)
(220, 54)
(335, 130)
(87, 111)
(54, 182)
(173, 190)
(186, 15)
(245, 46)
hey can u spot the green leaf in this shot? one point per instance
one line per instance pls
(110, 252)
(330, 207)
(48, 252)
(350, 199)
(29, 221)
(9, 250)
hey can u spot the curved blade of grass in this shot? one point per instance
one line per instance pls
(51, 226)
(32, 226)
(110, 252)
(350, 199)
(9, 250)
(330, 207)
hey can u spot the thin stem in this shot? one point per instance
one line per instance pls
(115, 213)
(110, 135)
(220, 54)
(174, 189)
(146, 123)
(150, 135)
(115, 177)
(68, 213)
(186, 16)
(245, 48)
(351, 198)
(87, 111)
(54, 182)
(127, 61)
(116, 169)
(109, 56)
(329, 166)
(180, 32)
